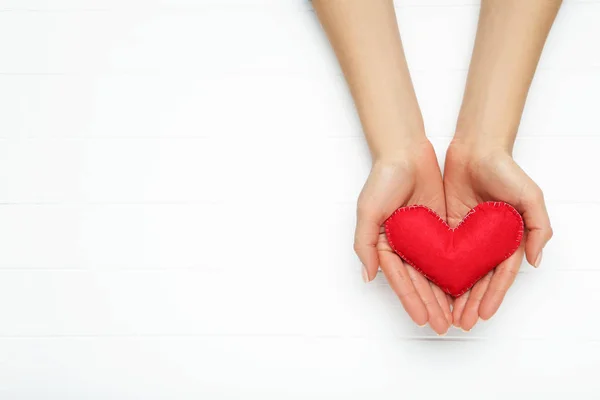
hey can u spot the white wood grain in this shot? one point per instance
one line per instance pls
(219, 40)
(63, 5)
(302, 170)
(255, 105)
(294, 368)
(177, 190)
(195, 236)
(318, 301)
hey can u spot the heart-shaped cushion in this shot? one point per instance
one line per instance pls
(455, 259)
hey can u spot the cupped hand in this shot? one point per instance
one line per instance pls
(410, 178)
(473, 175)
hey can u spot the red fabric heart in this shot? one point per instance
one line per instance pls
(455, 259)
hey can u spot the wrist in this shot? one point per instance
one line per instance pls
(486, 131)
(472, 152)
(401, 150)
(479, 143)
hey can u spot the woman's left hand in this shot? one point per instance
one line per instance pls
(473, 175)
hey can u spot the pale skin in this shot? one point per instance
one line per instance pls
(479, 166)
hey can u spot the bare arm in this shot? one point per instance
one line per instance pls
(479, 164)
(510, 38)
(365, 37)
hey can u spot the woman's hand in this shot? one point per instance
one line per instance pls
(410, 178)
(476, 174)
(479, 167)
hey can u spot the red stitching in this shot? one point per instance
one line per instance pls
(471, 212)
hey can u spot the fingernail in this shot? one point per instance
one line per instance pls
(365, 274)
(465, 330)
(538, 260)
(422, 326)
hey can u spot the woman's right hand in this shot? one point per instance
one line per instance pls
(478, 173)
(412, 177)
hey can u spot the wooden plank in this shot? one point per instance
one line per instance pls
(147, 39)
(560, 103)
(293, 368)
(289, 170)
(301, 298)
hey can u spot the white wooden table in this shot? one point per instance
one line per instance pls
(177, 190)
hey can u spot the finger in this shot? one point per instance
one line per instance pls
(537, 223)
(442, 299)
(398, 278)
(365, 245)
(501, 281)
(450, 301)
(470, 314)
(459, 306)
(437, 320)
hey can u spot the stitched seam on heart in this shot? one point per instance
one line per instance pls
(472, 211)
(518, 239)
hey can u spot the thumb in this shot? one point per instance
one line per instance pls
(537, 224)
(365, 244)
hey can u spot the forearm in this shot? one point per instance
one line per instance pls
(365, 37)
(510, 38)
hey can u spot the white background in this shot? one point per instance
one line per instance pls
(177, 189)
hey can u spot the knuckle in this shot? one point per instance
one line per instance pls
(428, 302)
(535, 196)
(478, 296)
(357, 247)
(500, 292)
(507, 277)
(511, 272)
(363, 208)
(407, 294)
(403, 280)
